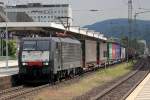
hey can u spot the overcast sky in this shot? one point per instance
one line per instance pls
(110, 9)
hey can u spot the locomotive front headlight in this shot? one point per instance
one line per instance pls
(46, 63)
(24, 64)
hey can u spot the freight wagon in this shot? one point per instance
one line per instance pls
(123, 53)
(103, 53)
(114, 52)
(89, 54)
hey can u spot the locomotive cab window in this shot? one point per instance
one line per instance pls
(42, 45)
(36, 45)
(29, 45)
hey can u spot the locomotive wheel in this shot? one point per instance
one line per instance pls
(72, 74)
(55, 78)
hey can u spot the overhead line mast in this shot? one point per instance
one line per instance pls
(130, 11)
(130, 8)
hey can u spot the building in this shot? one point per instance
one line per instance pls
(19, 17)
(3, 17)
(44, 13)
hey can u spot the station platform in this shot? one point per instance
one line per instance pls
(12, 68)
(11, 63)
(8, 72)
(142, 92)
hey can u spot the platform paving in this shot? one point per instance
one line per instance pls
(11, 63)
(142, 92)
(12, 68)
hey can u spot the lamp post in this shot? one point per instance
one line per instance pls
(136, 14)
(6, 36)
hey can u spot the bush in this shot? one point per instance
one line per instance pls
(11, 48)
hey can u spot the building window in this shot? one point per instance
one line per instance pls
(55, 17)
(66, 11)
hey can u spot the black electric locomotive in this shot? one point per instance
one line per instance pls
(49, 59)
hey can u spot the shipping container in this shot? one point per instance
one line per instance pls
(114, 51)
(123, 53)
(109, 48)
(103, 52)
(118, 51)
(91, 51)
(71, 53)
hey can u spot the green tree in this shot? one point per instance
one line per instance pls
(132, 44)
(11, 48)
(124, 40)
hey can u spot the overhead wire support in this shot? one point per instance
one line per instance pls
(130, 9)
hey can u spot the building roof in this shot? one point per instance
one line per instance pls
(50, 25)
(2, 3)
(31, 5)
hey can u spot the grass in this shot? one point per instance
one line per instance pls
(85, 84)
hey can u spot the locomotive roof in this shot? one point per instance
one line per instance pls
(36, 38)
(66, 40)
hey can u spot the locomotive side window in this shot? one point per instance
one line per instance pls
(42, 45)
(29, 45)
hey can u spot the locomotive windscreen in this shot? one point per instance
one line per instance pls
(35, 51)
(36, 45)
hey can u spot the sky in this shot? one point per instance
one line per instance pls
(108, 9)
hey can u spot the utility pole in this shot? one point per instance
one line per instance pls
(6, 32)
(130, 8)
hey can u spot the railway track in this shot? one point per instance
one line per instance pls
(10, 90)
(20, 91)
(121, 89)
(15, 92)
